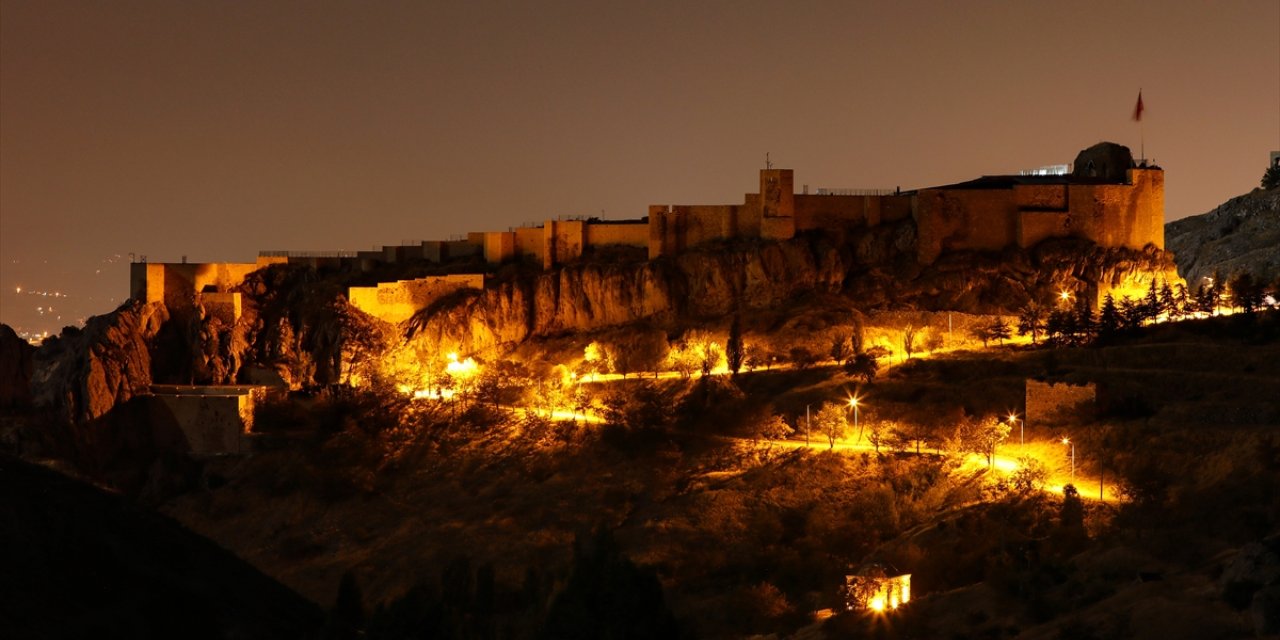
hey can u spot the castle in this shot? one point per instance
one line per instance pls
(1106, 198)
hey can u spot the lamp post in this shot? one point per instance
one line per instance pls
(853, 402)
(1067, 441)
(1022, 428)
(806, 424)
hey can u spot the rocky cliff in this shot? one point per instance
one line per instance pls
(83, 373)
(298, 327)
(15, 369)
(875, 269)
(1242, 234)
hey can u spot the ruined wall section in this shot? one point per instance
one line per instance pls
(398, 301)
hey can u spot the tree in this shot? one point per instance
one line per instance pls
(803, 358)
(756, 356)
(909, 340)
(841, 349)
(1109, 320)
(1271, 178)
(879, 431)
(982, 332)
(1151, 303)
(832, 423)
(982, 436)
(1000, 330)
(773, 427)
(1031, 320)
(681, 359)
(734, 350)
(346, 618)
(1030, 476)
(1246, 294)
(706, 352)
(863, 365)
(608, 596)
(1168, 302)
(914, 432)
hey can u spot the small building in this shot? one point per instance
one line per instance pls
(213, 419)
(875, 588)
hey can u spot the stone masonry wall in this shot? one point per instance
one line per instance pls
(397, 301)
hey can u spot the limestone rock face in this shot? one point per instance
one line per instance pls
(695, 285)
(83, 373)
(15, 369)
(1242, 234)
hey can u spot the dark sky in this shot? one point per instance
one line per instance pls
(215, 129)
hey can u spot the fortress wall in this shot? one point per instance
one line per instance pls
(895, 208)
(1036, 226)
(673, 229)
(176, 284)
(146, 281)
(827, 212)
(499, 246)
(529, 243)
(831, 212)
(1040, 196)
(629, 234)
(398, 301)
(563, 241)
(964, 219)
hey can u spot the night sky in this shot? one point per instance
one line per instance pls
(215, 129)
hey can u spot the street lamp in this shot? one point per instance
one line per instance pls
(1067, 441)
(1022, 428)
(806, 424)
(853, 402)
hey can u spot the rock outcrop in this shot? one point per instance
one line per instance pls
(1242, 234)
(83, 373)
(15, 370)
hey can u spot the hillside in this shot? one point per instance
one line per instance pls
(1242, 234)
(81, 563)
(749, 535)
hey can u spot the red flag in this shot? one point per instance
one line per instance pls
(1137, 109)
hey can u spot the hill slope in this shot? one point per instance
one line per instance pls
(82, 563)
(1242, 234)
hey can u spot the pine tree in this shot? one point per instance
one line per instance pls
(1031, 320)
(1168, 303)
(733, 349)
(1271, 179)
(1109, 320)
(1000, 330)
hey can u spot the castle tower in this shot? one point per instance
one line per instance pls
(777, 204)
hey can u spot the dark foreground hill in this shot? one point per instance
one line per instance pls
(81, 563)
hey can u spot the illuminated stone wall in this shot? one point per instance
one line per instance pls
(631, 234)
(1129, 215)
(1051, 404)
(397, 301)
(176, 284)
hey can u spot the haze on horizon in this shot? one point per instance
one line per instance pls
(214, 130)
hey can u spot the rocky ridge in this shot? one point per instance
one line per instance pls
(298, 325)
(1242, 234)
